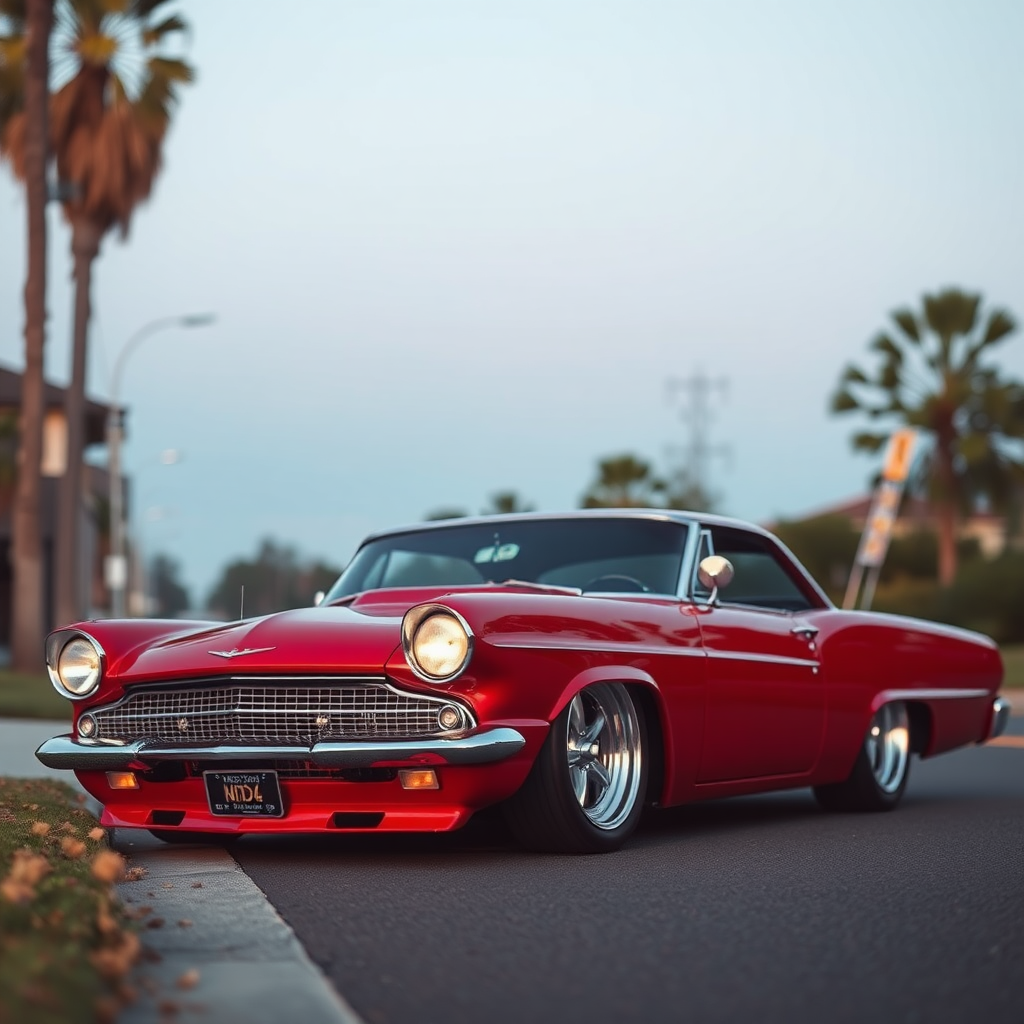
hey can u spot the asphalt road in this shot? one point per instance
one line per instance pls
(762, 909)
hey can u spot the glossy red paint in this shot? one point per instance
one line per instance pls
(738, 698)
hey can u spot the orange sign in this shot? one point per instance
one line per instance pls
(899, 455)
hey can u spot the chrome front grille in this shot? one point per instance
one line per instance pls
(274, 712)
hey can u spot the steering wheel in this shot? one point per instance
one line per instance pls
(618, 583)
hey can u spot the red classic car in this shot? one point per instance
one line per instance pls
(571, 667)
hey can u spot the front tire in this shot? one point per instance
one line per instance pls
(881, 770)
(585, 792)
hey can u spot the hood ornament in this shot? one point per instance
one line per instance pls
(236, 653)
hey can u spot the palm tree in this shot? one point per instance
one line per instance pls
(108, 119)
(624, 481)
(109, 122)
(24, 77)
(932, 377)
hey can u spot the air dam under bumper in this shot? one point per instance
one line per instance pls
(478, 748)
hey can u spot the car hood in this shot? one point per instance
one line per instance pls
(305, 641)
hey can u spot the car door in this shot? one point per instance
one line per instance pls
(765, 707)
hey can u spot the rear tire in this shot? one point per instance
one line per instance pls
(585, 792)
(881, 770)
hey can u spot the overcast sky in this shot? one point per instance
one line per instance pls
(461, 247)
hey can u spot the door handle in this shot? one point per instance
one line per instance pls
(807, 632)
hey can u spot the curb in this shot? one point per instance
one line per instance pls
(214, 946)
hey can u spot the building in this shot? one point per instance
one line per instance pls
(93, 509)
(987, 529)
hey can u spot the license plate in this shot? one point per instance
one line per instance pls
(244, 794)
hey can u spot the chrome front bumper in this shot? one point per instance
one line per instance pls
(478, 748)
(1000, 716)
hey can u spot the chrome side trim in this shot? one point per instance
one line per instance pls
(1001, 708)
(597, 646)
(924, 694)
(763, 659)
(478, 748)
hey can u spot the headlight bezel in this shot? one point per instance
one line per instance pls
(412, 623)
(57, 645)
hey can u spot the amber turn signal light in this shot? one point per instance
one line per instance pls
(122, 780)
(418, 778)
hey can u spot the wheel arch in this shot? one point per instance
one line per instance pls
(921, 726)
(644, 689)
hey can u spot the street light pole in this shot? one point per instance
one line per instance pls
(117, 562)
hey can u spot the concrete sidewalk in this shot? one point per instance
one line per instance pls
(221, 952)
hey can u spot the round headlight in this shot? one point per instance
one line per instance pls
(78, 667)
(437, 642)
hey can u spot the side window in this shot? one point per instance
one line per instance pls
(762, 578)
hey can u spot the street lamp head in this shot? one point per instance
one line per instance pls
(197, 320)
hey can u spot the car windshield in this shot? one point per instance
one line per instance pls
(621, 555)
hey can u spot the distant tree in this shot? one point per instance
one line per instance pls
(826, 545)
(108, 121)
(274, 580)
(683, 492)
(625, 481)
(445, 513)
(169, 597)
(505, 502)
(24, 136)
(932, 376)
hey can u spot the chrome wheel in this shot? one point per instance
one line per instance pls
(604, 754)
(887, 746)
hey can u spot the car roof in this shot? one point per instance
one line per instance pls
(680, 516)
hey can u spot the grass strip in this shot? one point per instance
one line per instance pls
(31, 695)
(66, 945)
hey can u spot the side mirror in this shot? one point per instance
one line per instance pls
(318, 598)
(715, 572)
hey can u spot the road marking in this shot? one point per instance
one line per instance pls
(1007, 741)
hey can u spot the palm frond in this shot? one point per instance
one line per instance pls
(950, 313)
(843, 401)
(883, 343)
(170, 69)
(853, 375)
(889, 376)
(1000, 324)
(152, 36)
(907, 324)
(13, 11)
(142, 9)
(867, 442)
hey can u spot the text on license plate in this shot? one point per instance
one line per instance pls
(244, 794)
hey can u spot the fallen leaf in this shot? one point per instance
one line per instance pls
(155, 922)
(97, 834)
(72, 848)
(108, 866)
(184, 923)
(189, 979)
(40, 828)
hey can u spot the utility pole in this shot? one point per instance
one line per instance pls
(700, 396)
